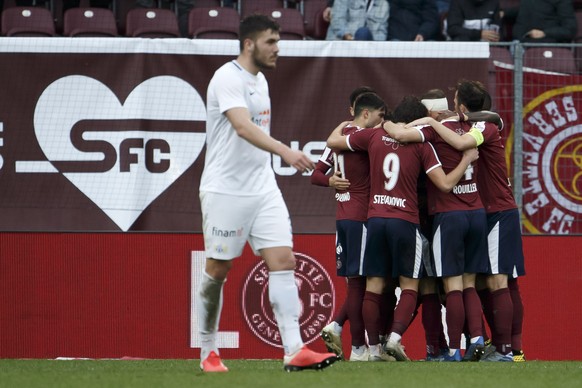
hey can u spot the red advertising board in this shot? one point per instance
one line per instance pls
(130, 295)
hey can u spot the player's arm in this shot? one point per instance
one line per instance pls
(485, 115)
(336, 140)
(446, 182)
(319, 177)
(469, 140)
(402, 134)
(245, 128)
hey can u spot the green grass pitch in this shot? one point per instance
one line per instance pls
(269, 373)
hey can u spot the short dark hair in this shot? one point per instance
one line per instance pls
(486, 100)
(359, 91)
(368, 100)
(433, 94)
(471, 94)
(409, 109)
(254, 24)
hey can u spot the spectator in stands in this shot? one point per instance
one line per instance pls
(545, 21)
(413, 20)
(327, 11)
(474, 20)
(443, 6)
(358, 20)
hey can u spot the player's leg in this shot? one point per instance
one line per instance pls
(514, 249)
(376, 268)
(432, 319)
(271, 237)
(504, 231)
(476, 261)
(448, 252)
(517, 322)
(222, 244)
(455, 315)
(209, 307)
(406, 248)
(354, 302)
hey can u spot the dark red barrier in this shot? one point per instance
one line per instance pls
(115, 295)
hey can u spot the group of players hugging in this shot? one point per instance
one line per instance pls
(424, 203)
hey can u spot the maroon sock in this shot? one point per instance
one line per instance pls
(354, 301)
(387, 306)
(455, 318)
(371, 314)
(473, 311)
(404, 311)
(484, 296)
(502, 319)
(432, 322)
(517, 322)
(342, 315)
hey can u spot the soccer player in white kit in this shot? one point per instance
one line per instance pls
(240, 199)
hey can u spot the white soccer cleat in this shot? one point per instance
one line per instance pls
(377, 353)
(396, 350)
(364, 356)
(331, 335)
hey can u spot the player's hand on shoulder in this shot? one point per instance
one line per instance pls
(341, 126)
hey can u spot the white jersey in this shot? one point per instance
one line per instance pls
(233, 165)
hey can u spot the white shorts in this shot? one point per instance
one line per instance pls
(229, 221)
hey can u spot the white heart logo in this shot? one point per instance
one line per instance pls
(140, 163)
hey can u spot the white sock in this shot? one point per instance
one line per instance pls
(359, 350)
(209, 307)
(284, 298)
(394, 338)
(336, 328)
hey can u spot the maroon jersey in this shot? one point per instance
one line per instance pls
(352, 204)
(394, 171)
(494, 187)
(465, 194)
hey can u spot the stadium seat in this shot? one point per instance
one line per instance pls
(247, 7)
(315, 26)
(82, 22)
(152, 23)
(290, 20)
(27, 21)
(556, 59)
(213, 23)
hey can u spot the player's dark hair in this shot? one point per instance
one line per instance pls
(486, 100)
(433, 94)
(370, 101)
(409, 109)
(252, 25)
(359, 91)
(471, 94)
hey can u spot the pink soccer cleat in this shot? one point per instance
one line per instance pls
(213, 363)
(305, 358)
